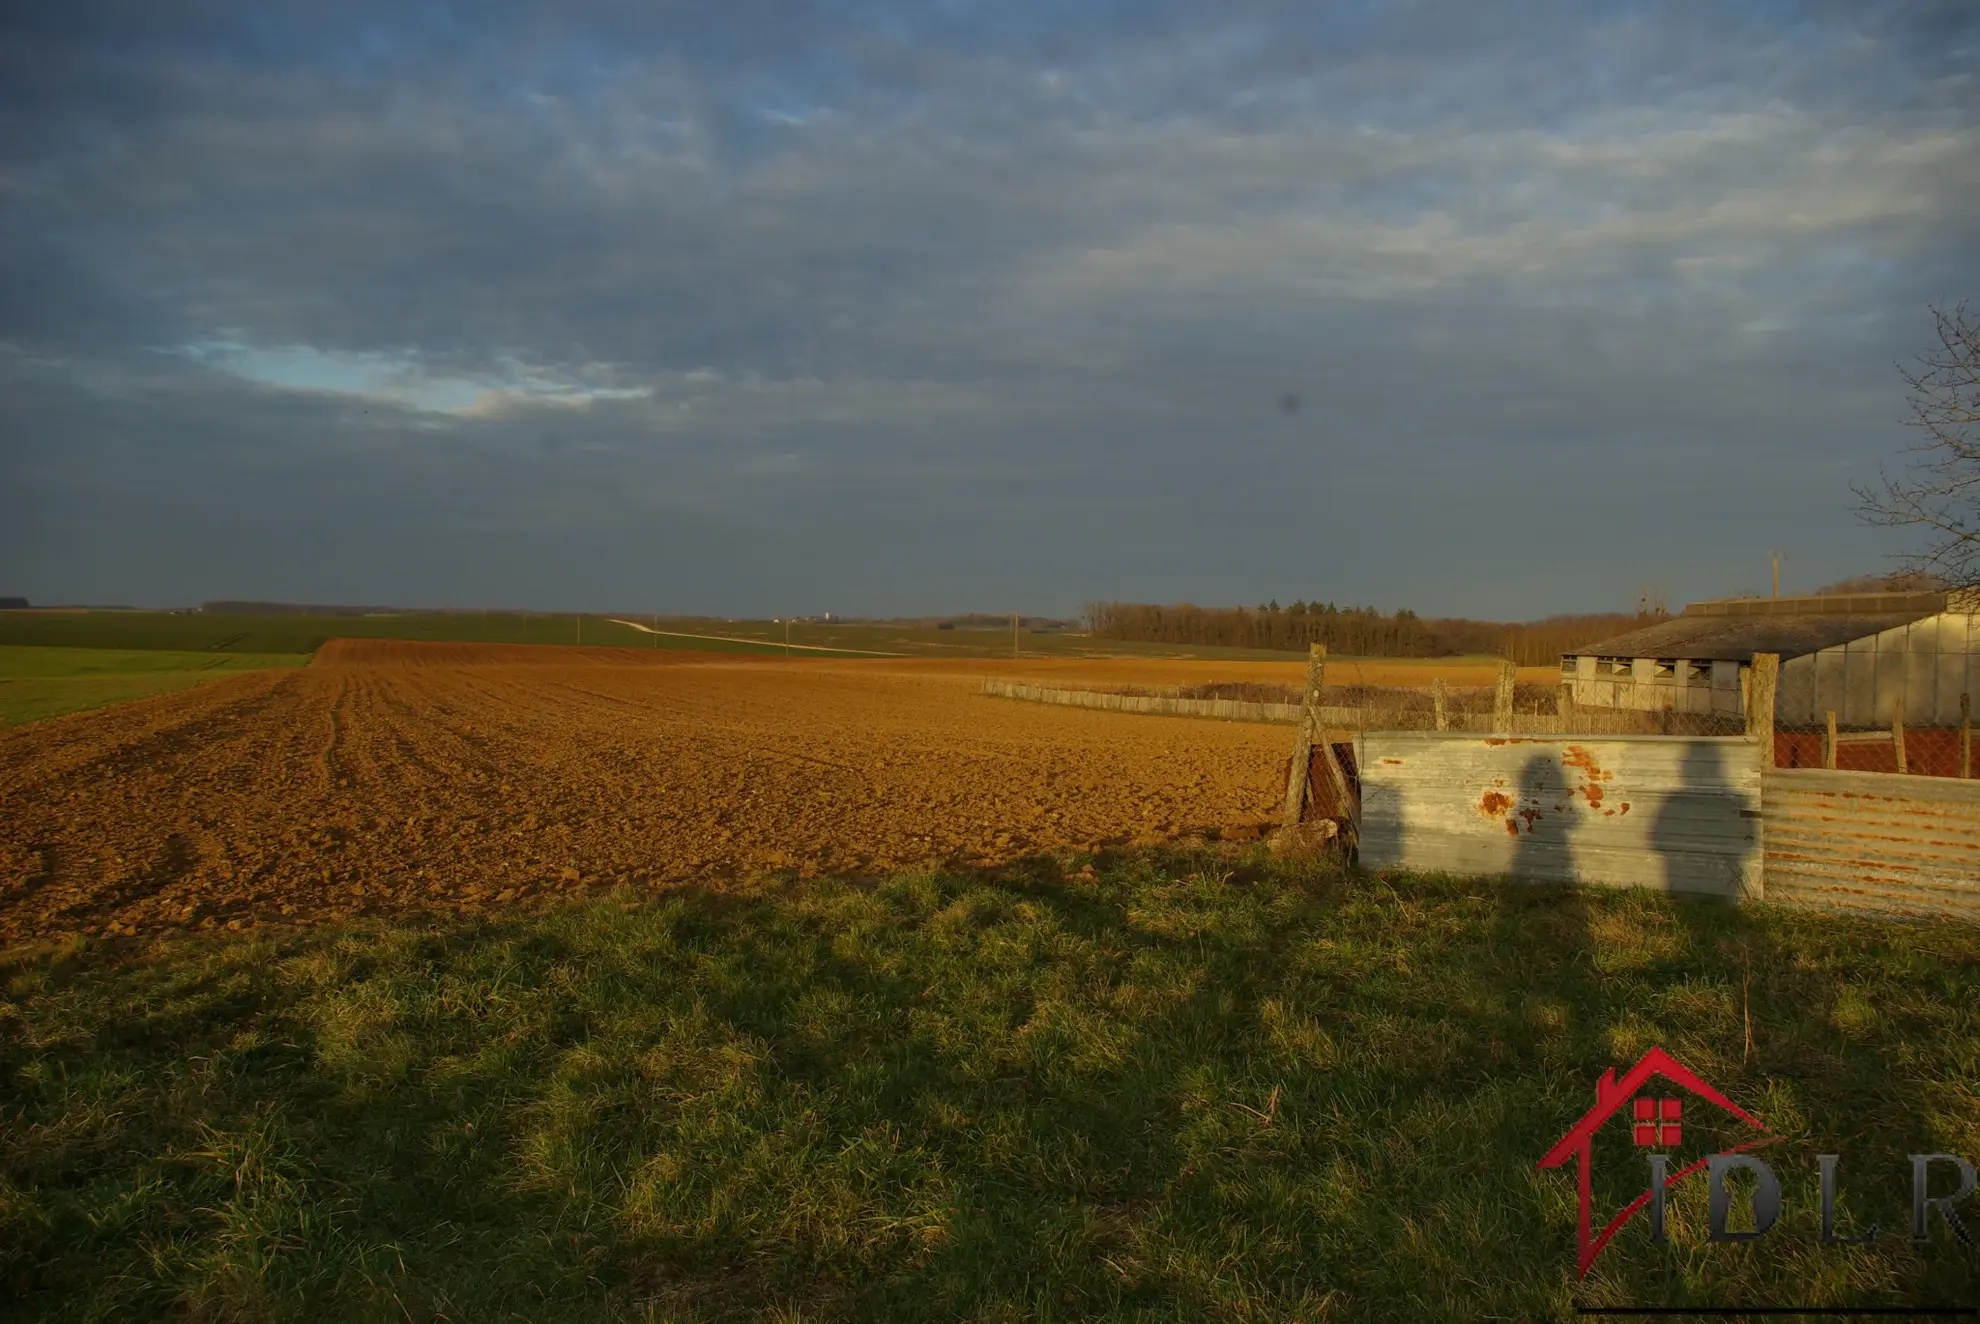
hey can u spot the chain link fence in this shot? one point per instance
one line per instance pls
(1899, 717)
(1509, 707)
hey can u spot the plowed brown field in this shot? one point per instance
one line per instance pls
(396, 777)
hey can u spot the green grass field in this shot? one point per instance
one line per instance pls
(62, 662)
(200, 632)
(917, 641)
(304, 634)
(1191, 1088)
(40, 682)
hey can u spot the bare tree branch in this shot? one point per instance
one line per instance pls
(1939, 492)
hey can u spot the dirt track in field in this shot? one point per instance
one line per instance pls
(400, 777)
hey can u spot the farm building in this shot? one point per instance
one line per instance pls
(1863, 656)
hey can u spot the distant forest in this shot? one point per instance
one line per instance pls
(1357, 631)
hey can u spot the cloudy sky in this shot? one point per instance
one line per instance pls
(765, 307)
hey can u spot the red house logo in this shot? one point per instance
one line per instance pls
(1656, 1121)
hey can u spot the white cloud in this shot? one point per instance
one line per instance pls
(407, 381)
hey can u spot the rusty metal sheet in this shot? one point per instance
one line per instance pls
(1675, 813)
(1873, 842)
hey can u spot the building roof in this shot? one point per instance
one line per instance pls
(1918, 604)
(1737, 638)
(1734, 629)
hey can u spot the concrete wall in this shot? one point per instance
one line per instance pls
(1675, 813)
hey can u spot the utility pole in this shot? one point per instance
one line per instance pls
(1777, 573)
(580, 630)
(1014, 634)
(787, 637)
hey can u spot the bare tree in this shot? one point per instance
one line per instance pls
(1940, 493)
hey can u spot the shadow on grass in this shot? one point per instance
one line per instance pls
(1195, 1084)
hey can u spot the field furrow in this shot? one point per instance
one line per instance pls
(397, 777)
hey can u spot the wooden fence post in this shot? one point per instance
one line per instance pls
(1760, 690)
(1829, 743)
(1310, 729)
(1897, 739)
(1502, 702)
(1564, 706)
(1965, 735)
(1437, 701)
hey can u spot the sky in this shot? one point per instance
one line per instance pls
(766, 308)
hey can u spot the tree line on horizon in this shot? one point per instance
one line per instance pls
(1371, 632)
(1359, 631)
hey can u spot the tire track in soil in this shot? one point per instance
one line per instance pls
(119, 864)
(50, 751)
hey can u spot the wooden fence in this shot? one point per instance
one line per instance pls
(1228, 710)
(1394, 709)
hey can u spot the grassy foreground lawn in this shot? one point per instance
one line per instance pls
(1204, 1087)
(47, 682)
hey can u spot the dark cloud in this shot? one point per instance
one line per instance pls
(762, 307)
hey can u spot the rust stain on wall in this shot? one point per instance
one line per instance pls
(1494, 804)
(1578, 757)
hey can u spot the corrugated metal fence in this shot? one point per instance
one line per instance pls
(1873, 842)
